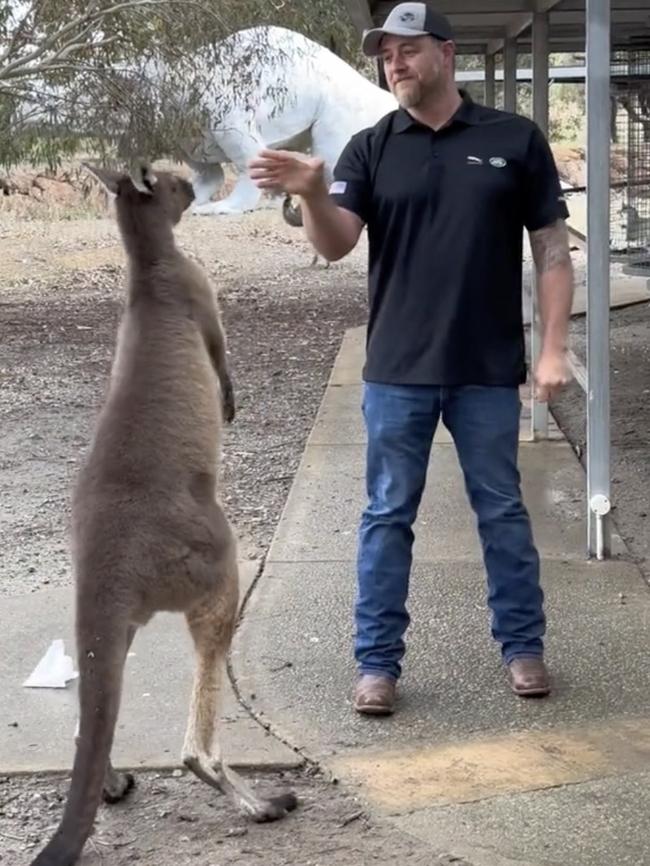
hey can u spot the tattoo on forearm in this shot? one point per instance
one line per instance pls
(550, 246)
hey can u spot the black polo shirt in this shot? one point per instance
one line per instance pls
(445, 213)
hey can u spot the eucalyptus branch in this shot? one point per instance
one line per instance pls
(138, 74)
(82, 25)
(17, 34)
(53, 64)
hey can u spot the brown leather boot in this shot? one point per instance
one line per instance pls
(374, 695)
(529, 677)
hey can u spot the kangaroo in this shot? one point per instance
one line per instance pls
(292, 215)
(148, 533)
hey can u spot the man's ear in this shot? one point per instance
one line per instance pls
(108, 178)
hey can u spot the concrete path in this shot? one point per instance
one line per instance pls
(464, 765)
(624, 292)
(37, 725)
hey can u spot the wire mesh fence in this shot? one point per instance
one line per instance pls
(630, 163)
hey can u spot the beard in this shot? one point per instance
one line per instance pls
(408, 93)
(415, 92)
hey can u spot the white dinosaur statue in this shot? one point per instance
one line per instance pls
(295, 94)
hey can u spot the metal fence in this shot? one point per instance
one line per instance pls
(630, 163)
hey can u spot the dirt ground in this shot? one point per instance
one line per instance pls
(61, 269)
(630, 423)
(170, 820)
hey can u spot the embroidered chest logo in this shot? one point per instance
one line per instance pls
(495, 161)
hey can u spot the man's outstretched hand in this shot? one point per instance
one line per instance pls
(284, 171)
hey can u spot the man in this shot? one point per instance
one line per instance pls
(445, 188)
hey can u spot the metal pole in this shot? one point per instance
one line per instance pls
(381, 75)
(510, 74)
(598, 285)
(540, 70)
(539, 411)
(490, 81)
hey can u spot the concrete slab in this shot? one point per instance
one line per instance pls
(624, 291)
(320, 518)
(482, 768)
(38, 724)
(453, 689)
(350, 358)
(591, 824)
(339, 420)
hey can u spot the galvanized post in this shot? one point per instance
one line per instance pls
(490, 80)
(598, 279)
(539, 411)
(510, 74)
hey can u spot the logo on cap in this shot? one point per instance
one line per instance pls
(407, 16)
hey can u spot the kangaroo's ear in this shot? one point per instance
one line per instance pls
(107, 177)
(143, 178)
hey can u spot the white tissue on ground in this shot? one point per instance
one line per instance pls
(54, 670)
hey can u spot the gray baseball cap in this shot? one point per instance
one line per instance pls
(408, 19)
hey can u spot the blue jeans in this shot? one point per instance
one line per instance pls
(484, 423)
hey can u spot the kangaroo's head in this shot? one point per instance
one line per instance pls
(291, 212)
(143, 195)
